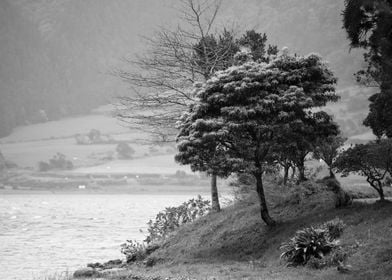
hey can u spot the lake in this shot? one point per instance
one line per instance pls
(41, 234)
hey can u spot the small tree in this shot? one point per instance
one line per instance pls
(328, 149)
(372, 160)
(124, 150)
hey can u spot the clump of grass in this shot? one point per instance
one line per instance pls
(66, 275)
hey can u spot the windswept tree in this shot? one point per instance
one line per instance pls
(372, 160)
(163, 77)
(368, 24)
(243, 109)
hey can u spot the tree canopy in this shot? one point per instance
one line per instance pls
(244, 108)
(372, 160)
(368, 24)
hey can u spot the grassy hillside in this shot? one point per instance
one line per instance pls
(235, 244)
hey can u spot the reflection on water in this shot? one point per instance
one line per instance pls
(44, 233)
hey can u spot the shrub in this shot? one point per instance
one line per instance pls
(337, 256)
(124, 150)
(43, 166)
(133, 250)
(307, 243)
(58, 161)
(171, 218)
(94, 135)
(334, 228)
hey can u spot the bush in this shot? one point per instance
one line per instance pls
(133, 250)
(58, 161)
(43, 166)
(124, 150)
(171, 218)
(337, 256)
(334, 228)
(313, 243)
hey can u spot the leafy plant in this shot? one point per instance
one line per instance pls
(313, 243)
(133, 250)
(337, 256)
(171, 218)
(334, 228)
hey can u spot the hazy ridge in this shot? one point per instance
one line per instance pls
(56, 54)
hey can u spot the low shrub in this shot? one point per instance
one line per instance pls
(58, 161)
(43, 166)
(337, 256)
(171, 218)
(165, 223)
(313, 243)
(133, 250)
(334, 228)
(124, 151)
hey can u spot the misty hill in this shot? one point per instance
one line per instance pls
(55, 55)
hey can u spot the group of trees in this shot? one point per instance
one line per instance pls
(368, 24)
(248, 116)
(176, 60)
(242, 106)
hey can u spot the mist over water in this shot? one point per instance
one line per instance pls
(42, 234)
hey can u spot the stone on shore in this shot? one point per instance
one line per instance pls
(86, 273)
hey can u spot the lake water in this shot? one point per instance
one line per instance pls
(41, 234)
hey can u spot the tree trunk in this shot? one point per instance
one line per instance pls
(263, 204)
(331, 174)
(377, 187)
(286, 174)
(2, 162)
(301, 173)
(380, 191)
(215, 206)
(294, 170)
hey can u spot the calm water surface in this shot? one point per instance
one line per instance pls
(45, 233)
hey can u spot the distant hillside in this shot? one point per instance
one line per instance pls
(55, 55)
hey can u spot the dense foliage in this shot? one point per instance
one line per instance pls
(58, 161)
(368, 24)
(171, 218)
(243, 111)
(372, 160)
(124, 151)
(312, 242)
(328, 149)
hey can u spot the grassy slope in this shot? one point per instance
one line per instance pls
(236, 244)
(28, 145)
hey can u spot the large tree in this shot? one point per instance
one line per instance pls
(368, 24)
(163, 77)
(243, 109)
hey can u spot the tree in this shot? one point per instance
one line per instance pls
(243, 109)
(162, 79)
(124, 150)
(368, 24)
(372, 160)
(328, 149)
